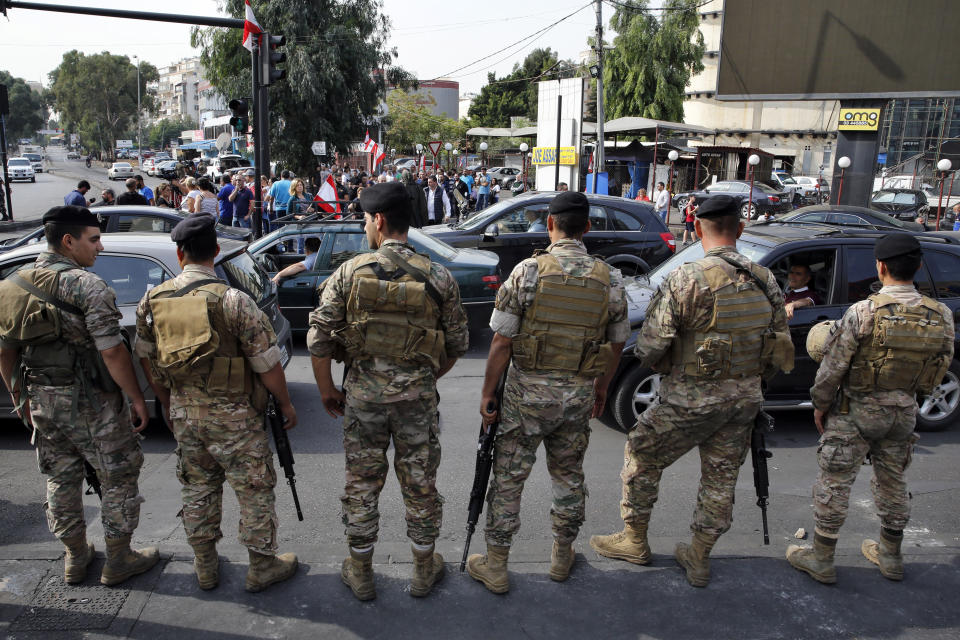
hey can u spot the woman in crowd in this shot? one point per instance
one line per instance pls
(206, 201)
(164, 197)
(192, 192)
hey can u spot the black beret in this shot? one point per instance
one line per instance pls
(570, 202)
(194, 226)
(71, 214)
(386, 197)
(717, 206)
(896, 244)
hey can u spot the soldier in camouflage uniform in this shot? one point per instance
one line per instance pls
(561, 318)
(713, 328)
(77, 412)
(215, 400)
(397, 319)
(883, 351)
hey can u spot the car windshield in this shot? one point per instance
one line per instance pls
(479, 221)
(894, 197)
(695, 252)
(765, 188)
(431, 244)
(244, 273)
(19, 162)
(883, 218)
(32, 156)
(786, 179)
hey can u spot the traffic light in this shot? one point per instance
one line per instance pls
(241, 119)
(270, 57)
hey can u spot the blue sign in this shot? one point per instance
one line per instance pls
(881, 158)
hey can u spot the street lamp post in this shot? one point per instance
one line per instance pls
(448, 147)
(139, 145)
(843, 163)
(483, 153)
(673, 155)
(944, 166)
(523, 155)
(753, 161)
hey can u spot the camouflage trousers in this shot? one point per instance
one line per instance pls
(368, 428)
(558, 416)
(886, 433)
(211, 450)
(102, 436)
(664, 433)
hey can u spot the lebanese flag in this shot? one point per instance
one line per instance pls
(590, 165)
(367, 142)
(423, 162)
(378, 155)
(326, 197)
(251, 27)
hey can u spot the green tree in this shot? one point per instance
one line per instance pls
(646, 72)
(338, 67)
(96, 96)
(163, 131)
(409, 123)
(27, 112)
(516, 93)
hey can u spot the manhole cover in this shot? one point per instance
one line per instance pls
(58, 606)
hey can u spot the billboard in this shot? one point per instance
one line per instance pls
(838, 50)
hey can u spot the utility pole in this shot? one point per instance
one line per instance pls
(598, 152)
(258, 133)
(139, 145)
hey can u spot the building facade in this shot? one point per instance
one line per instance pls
(178, 90)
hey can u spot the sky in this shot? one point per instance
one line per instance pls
(434, 38)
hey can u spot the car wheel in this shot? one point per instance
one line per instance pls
(938, 410)
(797, 200)
(638, 389)
(748, 210)
(34, 179)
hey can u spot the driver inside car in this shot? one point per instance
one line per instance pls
(311, 246)
(798, 293)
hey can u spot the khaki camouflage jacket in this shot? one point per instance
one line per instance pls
(517, 294)
(843, 342)
(382, 379)
(683, 304)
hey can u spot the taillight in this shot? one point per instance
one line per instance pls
(671, 242)
(491, 282)
(773, 199)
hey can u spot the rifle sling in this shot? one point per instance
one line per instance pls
(46, 297)
(196, 284)
(416, 274)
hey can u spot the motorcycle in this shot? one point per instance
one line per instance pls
(89, 163)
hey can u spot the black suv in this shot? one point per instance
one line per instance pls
(627, 234)
(844, 272)
(752, 205)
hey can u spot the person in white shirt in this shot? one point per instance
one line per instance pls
(661, 199)
(436, 199)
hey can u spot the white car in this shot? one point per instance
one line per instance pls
(505, 175)
(148, 166)
(812, 189)
(21, 169)
(120, 171)
(36, 160)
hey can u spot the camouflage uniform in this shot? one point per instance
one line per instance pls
(715, 415)
(78, 422)
(388, 398)
(880, 423)
(552, 407)
(220, 437)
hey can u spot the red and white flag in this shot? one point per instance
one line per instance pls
(423, 162)
(378, 154)
(590, 165)
(251, 27)
(366, 142)
(326, 197)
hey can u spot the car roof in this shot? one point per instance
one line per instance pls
(776, 233)
(150, 244)
(591, 197)
(836, 208)
(900, 190)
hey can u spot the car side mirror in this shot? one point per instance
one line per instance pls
(492, 231)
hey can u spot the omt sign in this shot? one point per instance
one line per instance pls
(859, 119)
(548, 155)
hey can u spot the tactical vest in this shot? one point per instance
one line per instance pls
(195, 346)
(738, 342)
(565, 328)
(393, 314)
(905, 351)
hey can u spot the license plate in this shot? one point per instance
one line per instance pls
(284, 356)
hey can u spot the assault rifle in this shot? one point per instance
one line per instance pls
(284, 454)
(760, 455)
(481, 476)
(93, 482)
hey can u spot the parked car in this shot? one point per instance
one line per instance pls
(627, 234)
(477, 272)
(783, 181)
(844, 272)
(819, 185)
(905, 204)
(21, 169)
(147, 166)
(506, 175)
(216, 167)
(36, 161)
(166, 169)
(130, 219)
(845, 215)
(764, 198)
(120, 171)
(73, 155)
(132, 264)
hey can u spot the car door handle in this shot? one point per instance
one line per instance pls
(303, 284)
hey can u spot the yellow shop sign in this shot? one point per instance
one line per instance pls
(859, 120)
(548, 155)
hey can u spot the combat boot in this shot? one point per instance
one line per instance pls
(491, 569)
(267, 570)
(357, 573)
(695, 558)
(427, 571)
(78, 557)
(206, 564)
(886, 553)
(561, 561)
(629, 544)
(818, 561)
(123, 562)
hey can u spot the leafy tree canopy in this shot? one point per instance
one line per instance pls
(646, 72)
(167, 129)
(338, 66)
(410, 123)
(26, 108)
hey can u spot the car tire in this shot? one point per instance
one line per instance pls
(797, 200)
(637, 389)
(941, 408)
(34, 179)
(748, 211)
